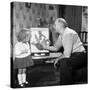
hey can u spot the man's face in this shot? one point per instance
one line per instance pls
(57, 27)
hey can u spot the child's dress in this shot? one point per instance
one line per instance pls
(22, 60)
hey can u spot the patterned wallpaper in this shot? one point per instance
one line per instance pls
(26, 15)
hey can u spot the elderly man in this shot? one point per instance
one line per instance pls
(74, 52)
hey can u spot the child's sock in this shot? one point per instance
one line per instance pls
(20, 78)
(24, 78)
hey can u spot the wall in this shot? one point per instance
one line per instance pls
(26, 15)
(73, 16)
(76, 16)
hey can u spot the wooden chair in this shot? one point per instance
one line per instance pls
(84, 38)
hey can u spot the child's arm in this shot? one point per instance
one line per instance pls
(18, 50)
(24, 51)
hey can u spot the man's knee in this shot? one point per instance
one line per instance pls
(62, 62)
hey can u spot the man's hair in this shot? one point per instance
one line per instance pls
(63, 21)
(22, 34)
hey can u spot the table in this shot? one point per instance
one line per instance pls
(48, 59)
(48, 65)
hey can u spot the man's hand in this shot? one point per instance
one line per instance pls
(58, 59)
(55, 62)
(45, 43)
(39, 46)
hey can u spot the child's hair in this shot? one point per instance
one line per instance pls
(22, 35)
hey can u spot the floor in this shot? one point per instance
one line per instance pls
(42, 75)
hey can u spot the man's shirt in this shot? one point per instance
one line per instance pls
(70, 42)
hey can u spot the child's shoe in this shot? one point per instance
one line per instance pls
(21, 85)
(26, 84)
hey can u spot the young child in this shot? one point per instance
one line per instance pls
(22, 56)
